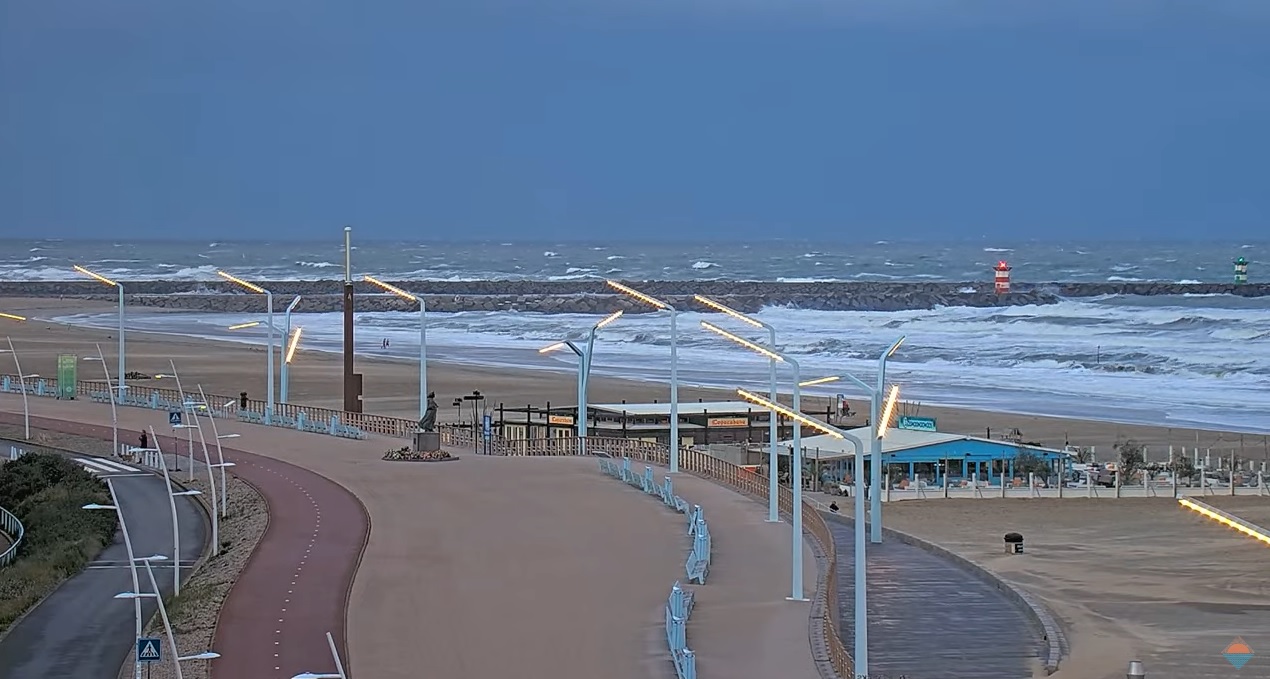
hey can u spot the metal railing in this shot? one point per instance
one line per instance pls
(13, 528)
(696, 566)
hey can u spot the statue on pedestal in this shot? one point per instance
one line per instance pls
(429, 421)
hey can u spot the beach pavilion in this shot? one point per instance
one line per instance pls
(929, 455)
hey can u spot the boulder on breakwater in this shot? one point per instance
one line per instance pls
(595, 297)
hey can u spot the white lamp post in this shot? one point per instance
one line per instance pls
(423, 336)
(119, 287)
(127, 541)
(860, 651)
(286, 376)
(584, 372)
(796, 456)
(674, 365)
(220, 452)
(26, 408)
(339, 666)
(177, 659)
(291, 340)
(176, 523)
(773, 429)
(875, 475)
(114, 412)
(191, 408)
(269, 301)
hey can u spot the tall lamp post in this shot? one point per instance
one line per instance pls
(132, 558)
(796, 456)
(875, 475)
(192, 407)
(269, 301)
(291, 340)
(118, 286)
(220, 452)
(173, 494)
(674, 364)
(286, 361)
(423, 336)
(114, 413)
(137, 596)
(26, 407)
(584, 372)
(860, 651)
(773, 429)
(339, 666)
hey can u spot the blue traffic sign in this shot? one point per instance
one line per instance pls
(149, 650)
(489, 427)
(174, 418)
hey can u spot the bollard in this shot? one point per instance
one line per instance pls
(1136, 670)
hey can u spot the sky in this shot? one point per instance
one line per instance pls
(847, 120)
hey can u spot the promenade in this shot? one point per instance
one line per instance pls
(544, 557)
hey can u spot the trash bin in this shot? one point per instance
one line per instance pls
(1136, 670)
(1013, 543)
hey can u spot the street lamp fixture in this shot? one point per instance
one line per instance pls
(291, 346)
(26, 406)
(132, 563)
(796, 456)
(674, 364)
(12, 317)
(177, 659)
(114, 412)
(339, 665)
(423, 336)
(269, 301)
(584, 372)
(773, 429)
(860, 648)
(118, 286)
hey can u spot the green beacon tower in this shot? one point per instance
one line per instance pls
(1241, 271)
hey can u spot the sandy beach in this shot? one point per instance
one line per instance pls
(391, 386)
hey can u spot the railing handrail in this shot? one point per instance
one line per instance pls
(13, 528)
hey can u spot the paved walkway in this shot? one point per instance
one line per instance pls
(742, 626)
(294, 588)
(79, 630)
(931, 618)
(542, 556)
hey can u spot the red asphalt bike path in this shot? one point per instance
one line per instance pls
(295, 587)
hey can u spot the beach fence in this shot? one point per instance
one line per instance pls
(696, 565)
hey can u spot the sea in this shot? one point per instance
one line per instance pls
(1170, 360)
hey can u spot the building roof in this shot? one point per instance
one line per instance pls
(685, 408)
(897, 440)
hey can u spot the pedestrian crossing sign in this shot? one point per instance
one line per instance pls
(149, 650)
(174, 418)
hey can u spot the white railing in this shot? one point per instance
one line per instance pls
(13, 528)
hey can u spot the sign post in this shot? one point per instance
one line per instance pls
(149, 650)
(488, 425)
(174, 418)
(67, 376)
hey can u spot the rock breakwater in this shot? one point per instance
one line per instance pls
(596, 297)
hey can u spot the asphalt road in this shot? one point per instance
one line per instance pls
(80, 631)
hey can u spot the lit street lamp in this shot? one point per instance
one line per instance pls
(773, 430)
(269, 402)
(584, 372)
(861, 642)
(26, 408)
(118, 286)
(339, 666)
(796, 456)
(674, 365)
(132, 559)
(286, 362)
(876, 416)
(423, 336)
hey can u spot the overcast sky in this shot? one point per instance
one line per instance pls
(851, 119)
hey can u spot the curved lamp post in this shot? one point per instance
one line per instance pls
(118, 286)
(176, 523)
(584, 372)
(773, 429)
(132, 559)
(860, 651)
(674, 364)
(423, 336)
(291, 342)
(269, 402)
(114, 412)
(796, 457)
(192, 407)
(26, 408)
(339, 666)
(220, 452)
(286, 362)
(136, 596)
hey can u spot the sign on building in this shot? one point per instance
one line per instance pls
(67, 375)
(727, 422)
(917, 423)
(560, 419)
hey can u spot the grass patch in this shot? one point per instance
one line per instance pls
(47, 492)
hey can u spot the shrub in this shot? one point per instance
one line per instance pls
(47, 492)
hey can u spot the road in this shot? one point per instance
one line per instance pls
(295, 587)
(80, 631)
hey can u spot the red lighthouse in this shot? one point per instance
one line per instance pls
(1002, 278)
